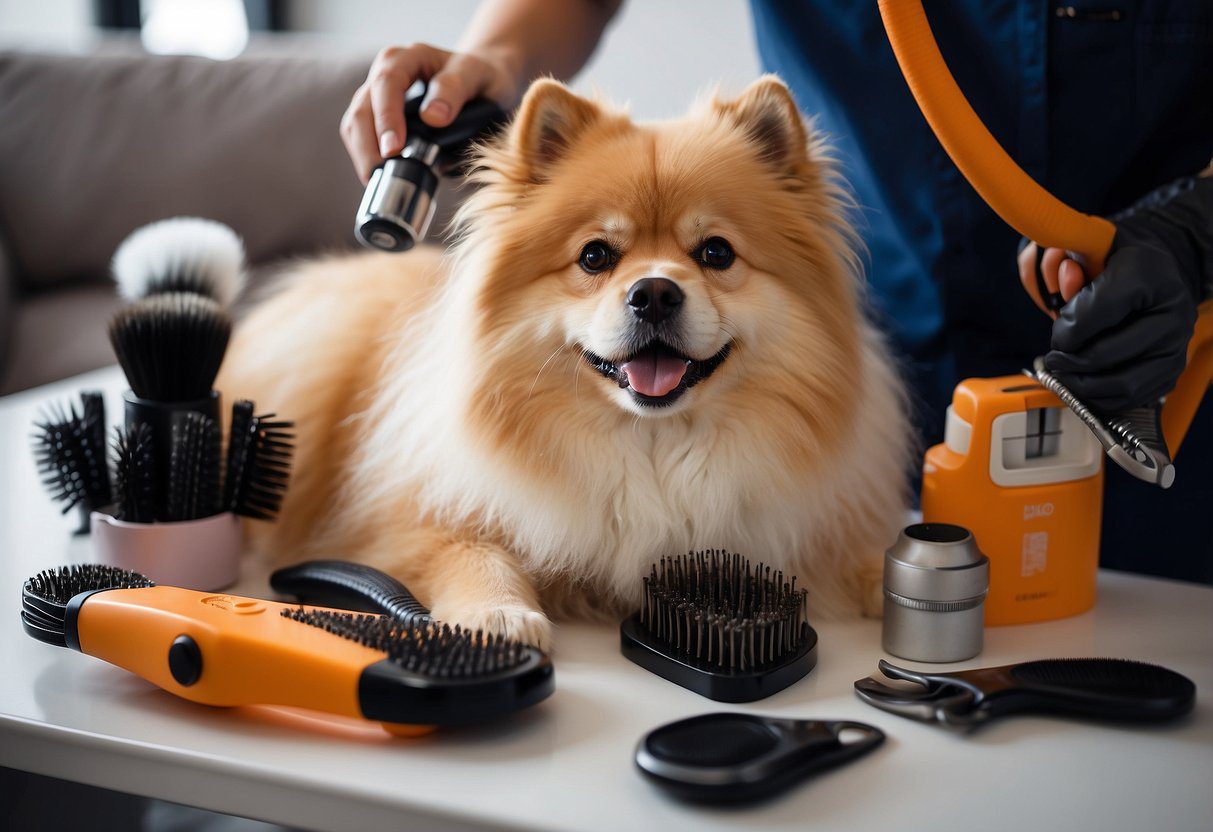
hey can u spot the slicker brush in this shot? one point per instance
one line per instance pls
(720, 626)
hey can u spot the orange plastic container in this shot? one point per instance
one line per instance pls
(1021, 472)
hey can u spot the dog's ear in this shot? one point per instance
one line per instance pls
(771, 120)
(549, 120)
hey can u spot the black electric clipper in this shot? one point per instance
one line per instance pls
(398, 203)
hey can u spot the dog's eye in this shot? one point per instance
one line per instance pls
(597, 256)
(715, 253)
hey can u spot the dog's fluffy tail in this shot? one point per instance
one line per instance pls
(182, 254)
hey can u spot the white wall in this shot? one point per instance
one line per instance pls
(38, 22)
(656, 56)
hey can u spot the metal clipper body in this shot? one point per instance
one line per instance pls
(1025, 475)
(398, 203)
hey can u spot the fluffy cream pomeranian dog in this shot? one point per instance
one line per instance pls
(649, 338)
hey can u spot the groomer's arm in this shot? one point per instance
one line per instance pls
(507, 43)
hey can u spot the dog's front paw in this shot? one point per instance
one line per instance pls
(516, 622)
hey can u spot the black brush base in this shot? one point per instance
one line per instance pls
(656, 656)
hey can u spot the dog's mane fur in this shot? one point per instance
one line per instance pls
(460, 417)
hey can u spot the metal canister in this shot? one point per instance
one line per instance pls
(935, 584)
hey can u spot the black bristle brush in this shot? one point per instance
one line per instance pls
(69, 450)
(181, 275)
(258, 463)
(193, 490)
(134, 474)
(722, 627)
(170, 345)
(45, 596)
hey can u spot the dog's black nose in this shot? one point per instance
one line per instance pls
(654, 299)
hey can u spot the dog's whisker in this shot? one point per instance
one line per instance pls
(541, 369)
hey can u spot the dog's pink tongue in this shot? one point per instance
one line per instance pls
(654, 374)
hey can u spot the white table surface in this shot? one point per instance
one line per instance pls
(567, 764)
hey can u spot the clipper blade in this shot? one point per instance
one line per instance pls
(1133, 440)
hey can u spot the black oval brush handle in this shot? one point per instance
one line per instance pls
(352, 586)
(1100, 688)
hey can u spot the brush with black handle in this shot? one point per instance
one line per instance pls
(180, 275)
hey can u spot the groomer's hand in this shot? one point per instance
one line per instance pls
(373, 125)
(1121, 340)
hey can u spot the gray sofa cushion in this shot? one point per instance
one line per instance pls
(58, 334)
(95, 146)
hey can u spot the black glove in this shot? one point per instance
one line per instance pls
(1122, 341)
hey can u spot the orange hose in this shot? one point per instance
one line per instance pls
(1016, 197)
(1184, 400)
(1021, 202)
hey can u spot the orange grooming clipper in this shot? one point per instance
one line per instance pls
(1019, 466)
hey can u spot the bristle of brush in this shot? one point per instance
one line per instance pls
(239, 450)
(717, 609)
(45, 596)
(258, 463)
(181, 254)
(72, 465)
(170, 345)
(134, 474)
(58, 586)
(436, 650)
(193, 480)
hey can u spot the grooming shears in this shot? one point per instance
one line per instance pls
(1102, 688)
(937, 698)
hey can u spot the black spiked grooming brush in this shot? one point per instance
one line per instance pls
(134, 474)
(434, 674)
(193, 482)
(721, 627)
(45, 597)
(432, 649)
(69, 450)
(258, 463)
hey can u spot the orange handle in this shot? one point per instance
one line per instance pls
(251, 654)
(1016, 197)
(1184, 400)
